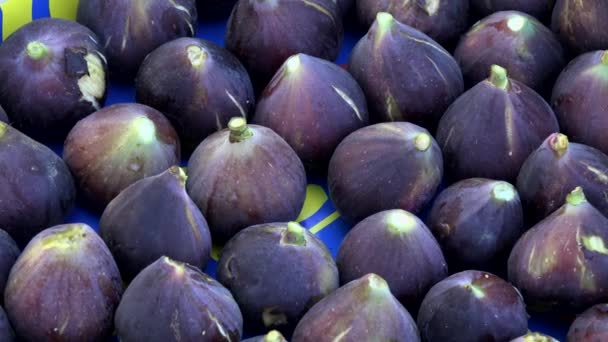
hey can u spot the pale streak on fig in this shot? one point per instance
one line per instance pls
(144, 128)
(509, 124)
(436, 69)
(421, 41)
(531, 258)
(236, 103)
(431, 7)
(476, 291)
(93, 84)
(2, 129)
(193, 227)
(341, 335)
(218, 122)
(177, 267)
(125, 34)
(400, 222)
(595, 244)
(585, 281)
(175, 326)
(179, 7)
(601, 176)
(391, 107)
(348, 101)
(102, 57)
(64, 326)
(220, 328)
(319, 8)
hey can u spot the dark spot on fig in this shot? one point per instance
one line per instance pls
(75, 63)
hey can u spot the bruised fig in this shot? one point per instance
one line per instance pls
(6, 331)
(9, 251)
(3, 116)
(580, 25)
(540, 9)
(534, 337)
(173, 301)
(562, 262)
(53, 74)
(498, 119)
(117, 146)
(418, 84)
(590, 326)
(472, 306)
(154, 217)
(65, 286)
(391, 165)
(272, 336)
(276, 272)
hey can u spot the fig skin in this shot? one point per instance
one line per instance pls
(534, 337)
(516, 41)
(313, 104)
(540, 9)
(561, 262)
(36, 187)
(477, 221)
(131, 29)
(6, 331)
(174, 301)
(590, 326)
(197, 84)
(276, 272)
(420, 82)
(580, 25)
(53, 74)
(65, 286)
(472, 144)
(9, 252)
(479, 306)
(272, 336)
(391, 165)
(117, 146)
(3, 116)
(243, 176)
(155, 217)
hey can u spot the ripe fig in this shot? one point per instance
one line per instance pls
(131, 29)
(420, 82)
(243, 176)
(6, 331)
(65, 286)
(117, 146)
(9, 251)
(498, 119)
(3, 116)
(472, 306)
(391, 165)
(540, 9)
(590, 326)
(276, 272)
(272, 336)
(580, 24)
(174, 301)
(562, 261)
(53, 74)
(534, 337)
(197, 84)
(362, 310)
(312, 104)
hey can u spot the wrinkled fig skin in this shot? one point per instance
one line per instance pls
(534, 337)
(172, 301)
(154, 217)
(540, 9)
(590, 326)
(3, 116)
(516, 41)
(197, 84)
(6, 331)
(9, 251)
(362, 310)
(562, 261)
(53, 74)
(264, 33)
(405, 75)
(384, 166)
(276, 272)
(313, 104)
(580, 25)
(117, 146)
(36, 187)
(471, 144)
(65, 286)
(479, 306)
(477, 221)
(272, 336)
(130, 29)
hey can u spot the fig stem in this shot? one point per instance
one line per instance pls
(559, 144)
(516, 23)
(503, 191)
(179, 174)
(422, 142)
(177, 266)
(294, 234)
(2, 128)
(604, 58)
(576, 197)
(385, 21)
(274, 336)
(239, 130)
(377, 284)
(293, 63)
(37, 50)
(196, 55)
(498, 77)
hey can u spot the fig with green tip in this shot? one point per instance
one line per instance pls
(174, 301)
(3, 116)
(540, 9)
(276, 272)
(9, 252)
(271, 336)
(65, 286)
(534, 337)
(590, 326)
(580, 25)
(155, 217)
(6, 331)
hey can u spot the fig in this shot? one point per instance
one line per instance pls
(117, 146)
(390, 165)
(154, 217)
(36, 187)
(313, 104)
(174, 301)
(276, 272)
(65, 286)
(534, 337)
(362, 310)
(9, 251)
(561, 262)
(591, 325)
(516, 41)
(131, 29)
(477, 221)
(53, 74)
(243, 176)
(398, 247)
(472, 306)
(540, 9)
(197, 84)
(272, 336)
(6, 331)
(3, 116)
(264, 33)
(498, 119)
(580, 24)
(418, 84)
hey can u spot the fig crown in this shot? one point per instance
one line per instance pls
(422, 142)
(179, 174)
(239, 130)
(503, 191)
(293, 63)
(196, 55)
(576, 197)
(559, 143)
(66, 238)
(384, 20)
(178, 267)
(516, 23)
(37, 50)
(295, 234)
(499, 77)
(400, 221)
(376, 284)
(274, 336)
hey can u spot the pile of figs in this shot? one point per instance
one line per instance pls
(156, 185)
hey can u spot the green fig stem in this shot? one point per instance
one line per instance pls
(3, 127)
(274, 336)
(498, 77)
(503, 191)
(177, 266)
(576, 197)
(516, 23)
(400, 221)
(604, 57)
(294, 234)
(559, 143)
(293, 64)
(239, 130)
(376, 284)
(37, 50)
(196, 55)
(476, 290)
(179, 174)
(422, 142)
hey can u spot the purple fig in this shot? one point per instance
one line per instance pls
(53, 74)
(472, 306)
(6, 331)
(362, 310)
(271, 336)
(117, 146)
(9, 251)
(420, 82)
(3, 116)
(590, 326)
(534, 337)
(580, 25)
(174, 301)
(243, 176)
(313, 104)
(65, 286)
(540, 9)
(198, 85)
(131, 29)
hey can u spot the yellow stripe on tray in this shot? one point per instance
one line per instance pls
(14, 15)
(65, 9)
